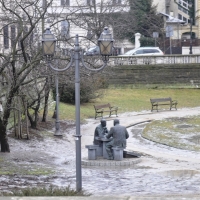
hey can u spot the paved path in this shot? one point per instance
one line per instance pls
(163, 173)
(168, 170)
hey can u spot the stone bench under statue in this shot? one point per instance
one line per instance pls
(118, 153)
(92, 151)
(95, 151)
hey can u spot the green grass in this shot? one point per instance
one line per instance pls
(132, 99)
(177, 132)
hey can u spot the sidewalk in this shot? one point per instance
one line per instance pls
(153, 197)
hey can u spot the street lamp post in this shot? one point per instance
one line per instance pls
(191, 35)
(76, 56)
(191, 22)
(57, 123)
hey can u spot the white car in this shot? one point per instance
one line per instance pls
(144, 51)
(92, 51)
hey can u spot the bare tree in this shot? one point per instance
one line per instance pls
(96, 15)
(22, 69)
(21, 54)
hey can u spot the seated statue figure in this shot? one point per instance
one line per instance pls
(100, 132)
(119, 135)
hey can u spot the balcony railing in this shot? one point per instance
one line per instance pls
(153, 60)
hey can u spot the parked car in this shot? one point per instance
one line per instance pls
(144, 51)
(92, 51)
(96, 51)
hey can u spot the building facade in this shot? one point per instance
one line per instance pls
(70, 13)
(180, 17)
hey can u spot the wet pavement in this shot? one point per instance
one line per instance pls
(153, 197)
(162, 171)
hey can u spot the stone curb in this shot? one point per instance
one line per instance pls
(103, 162)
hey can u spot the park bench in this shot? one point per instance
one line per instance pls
(101, 109)
(163, 101)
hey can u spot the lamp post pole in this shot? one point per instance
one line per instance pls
(190, 7)
(191, 21)
(57, 124)
(77, 105)
(105, 44)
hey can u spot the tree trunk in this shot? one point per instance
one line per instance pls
(32, 121)
(3, 138)
(4, 122)
(46, 99)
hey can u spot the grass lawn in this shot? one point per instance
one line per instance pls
(131, 99)
(182, 133)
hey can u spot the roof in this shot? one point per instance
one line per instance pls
(171, 19)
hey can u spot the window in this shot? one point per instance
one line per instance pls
(64, 28)
(25, 30)
(6, 37)
(91, 2)
(148, 51)
(114, 2)
(151, 51)
(31, 37)
(139, 52)
(90, 33)
(183, 6)
(13, 34)
(184, 19)
(64, 2)
(18, 31)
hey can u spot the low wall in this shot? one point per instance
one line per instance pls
(195, 50)
(154, 74)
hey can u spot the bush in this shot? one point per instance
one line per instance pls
(51, 191)
(89, 89)
(147, 41)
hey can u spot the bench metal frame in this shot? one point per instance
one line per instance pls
(163, 101)
(100, 109)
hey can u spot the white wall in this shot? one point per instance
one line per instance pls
(195, 50)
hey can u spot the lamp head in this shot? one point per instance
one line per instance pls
(105, 42)
(48, 43)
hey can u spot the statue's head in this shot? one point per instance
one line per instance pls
(116, 121)
(103, 122)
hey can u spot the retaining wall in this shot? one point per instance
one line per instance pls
(154, 74)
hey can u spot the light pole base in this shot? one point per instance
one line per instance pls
(57, 133)
(57, 129)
